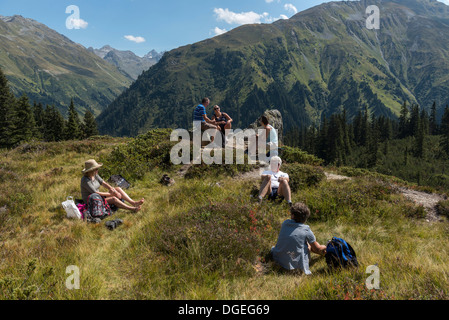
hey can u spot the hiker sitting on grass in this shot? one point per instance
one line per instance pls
(296, 240)
(91, 183)
(275, 182)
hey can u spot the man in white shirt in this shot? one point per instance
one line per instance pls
(275, 182)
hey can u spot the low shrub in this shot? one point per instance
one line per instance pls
(292, 155)
(443, 208)
(224, 237)
(141, 155)
(303, 176)
(230, 170)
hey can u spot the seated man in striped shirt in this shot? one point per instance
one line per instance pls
(200, 115)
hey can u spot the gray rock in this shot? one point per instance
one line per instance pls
(275, 119)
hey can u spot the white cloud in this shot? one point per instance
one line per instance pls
(78, 23)
(291, 8)
(238, 18)
(445, 1)
(135, 39)
(219, 31)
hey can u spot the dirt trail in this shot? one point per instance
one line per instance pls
(427, 200)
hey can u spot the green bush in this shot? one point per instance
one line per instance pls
(303, 176)
(292, 155)
(212, 170)
(443, 208)
(140, 156)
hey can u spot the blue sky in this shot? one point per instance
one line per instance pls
(161, 25)
(142, 25)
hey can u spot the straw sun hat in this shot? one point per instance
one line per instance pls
(91, 165)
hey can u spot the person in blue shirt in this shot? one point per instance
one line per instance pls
(296, 240)
(200, 116)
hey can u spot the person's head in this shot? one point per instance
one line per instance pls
(91, 168)
(264, 121)
(216, 109)
(205, 102)
(275, 164)
(300, 212)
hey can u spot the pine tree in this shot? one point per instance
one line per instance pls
(38, 111)
(403, 121)
(25, 124)
(90, 127)
(365, 128)
(415, 121)
(335, 138)
(322, 148)
(7, 114)
(357, 124)
(54, 124)
(73, 128)
(373, 143)
(445, 131)
(419, 141)
(433, 125)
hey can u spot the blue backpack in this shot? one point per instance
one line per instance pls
(339, 253)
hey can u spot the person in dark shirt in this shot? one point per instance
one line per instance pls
(223, 120)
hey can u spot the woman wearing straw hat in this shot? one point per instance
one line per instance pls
(91, 183)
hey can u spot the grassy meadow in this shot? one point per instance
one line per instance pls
(204, 237)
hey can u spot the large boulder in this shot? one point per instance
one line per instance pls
(275, 119)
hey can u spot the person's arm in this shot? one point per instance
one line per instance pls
(268, 130)
(209, 120)
(315, 247)
(112, 191)
(286, 178)
(265, 175)
(228, 117)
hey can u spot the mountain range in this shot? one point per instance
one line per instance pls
(52, 69)
(316, 63)
(128, 62)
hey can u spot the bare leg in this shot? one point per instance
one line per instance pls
(125, 197)
(284, 190)
(116, 201)
(266, 187)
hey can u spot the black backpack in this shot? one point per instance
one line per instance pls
(97, 207)
(339, 253)
(119, 181)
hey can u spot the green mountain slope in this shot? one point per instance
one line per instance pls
(315, 63)
(52, 69)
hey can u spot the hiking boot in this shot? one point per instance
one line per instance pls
(111, 225)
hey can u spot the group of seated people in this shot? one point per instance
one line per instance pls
(295, 241)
